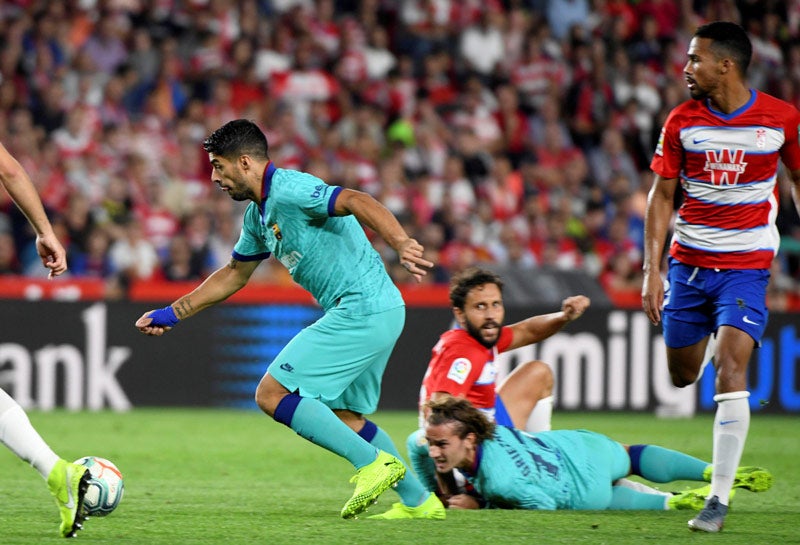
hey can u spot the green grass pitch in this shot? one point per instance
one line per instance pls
(226, 477)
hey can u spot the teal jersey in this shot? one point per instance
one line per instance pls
(563, 469)
(330, 256)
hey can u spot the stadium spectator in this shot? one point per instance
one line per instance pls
(612, 158)
(105, 46)
(9, 262)
(481, 44)
(135, 257)
(186, 71)
(93, 261)
(537, 75)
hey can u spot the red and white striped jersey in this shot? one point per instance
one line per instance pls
(728, 165)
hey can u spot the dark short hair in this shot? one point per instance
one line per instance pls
(462, 283)
(236, 138)
(728, 40)
(462, 414)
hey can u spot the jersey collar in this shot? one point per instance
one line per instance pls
(476, 463)
(736, 112)
(266, 184)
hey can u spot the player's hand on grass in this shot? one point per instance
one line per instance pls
(463, 501)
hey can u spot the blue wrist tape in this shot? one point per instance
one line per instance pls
(163, 317)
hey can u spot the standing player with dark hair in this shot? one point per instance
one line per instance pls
(329, 376)
(67, 482)
(723, 148)
(463, 365)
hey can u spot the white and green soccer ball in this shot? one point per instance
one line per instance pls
(106, 486)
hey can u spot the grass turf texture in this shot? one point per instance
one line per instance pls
(236, 477)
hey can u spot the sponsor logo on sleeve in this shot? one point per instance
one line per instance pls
(459, 370)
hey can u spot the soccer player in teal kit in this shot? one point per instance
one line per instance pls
(328, 377)
(563, 469)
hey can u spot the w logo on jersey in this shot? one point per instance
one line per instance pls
(725, 166)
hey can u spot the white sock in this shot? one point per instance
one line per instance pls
(17, 433)
(641, 487)
(539, 420)
(731, 424)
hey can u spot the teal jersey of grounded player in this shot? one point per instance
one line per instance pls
(328, 255)
(563, 469)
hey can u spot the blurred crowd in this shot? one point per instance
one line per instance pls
(517, 133)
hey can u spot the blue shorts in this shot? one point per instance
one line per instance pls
(697, 301)
(501, 416)
(340, 358)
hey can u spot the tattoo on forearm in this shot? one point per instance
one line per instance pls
(233, 264)
(183, 308)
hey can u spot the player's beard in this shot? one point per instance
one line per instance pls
(240, 192)
(698, 93)
(476, 333)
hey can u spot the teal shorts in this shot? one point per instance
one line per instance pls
(601, 462)
(340, 358)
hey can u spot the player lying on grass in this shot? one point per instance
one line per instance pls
(562, 469)
(463, 365)
(67, 482)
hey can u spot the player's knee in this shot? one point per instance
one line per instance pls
(262, 400)
(545, 375)
(266, 399)
(541, 376)
(682, 377)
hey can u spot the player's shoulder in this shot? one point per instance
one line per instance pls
(778, 106)
(252, 213)
(686, 111)
(767, 98)
(458, 343)
(291, 185)
(284, 175)
(457, 337)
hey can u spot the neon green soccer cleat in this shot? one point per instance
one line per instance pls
(694, 499)
(752, 478)
(372, 480)
(68, 484)
(431, 508)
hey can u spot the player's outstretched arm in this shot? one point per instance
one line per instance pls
(377, 217)
(222, 283)
(22, 191)
(538, 328)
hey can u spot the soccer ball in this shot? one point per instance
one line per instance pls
(105, 486)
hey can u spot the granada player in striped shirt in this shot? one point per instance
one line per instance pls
(723, 149)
